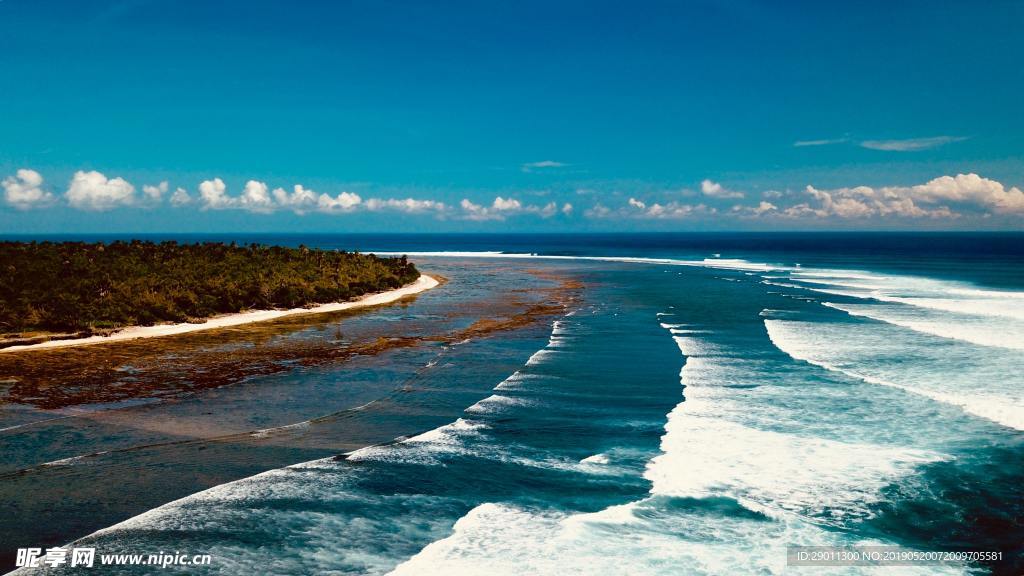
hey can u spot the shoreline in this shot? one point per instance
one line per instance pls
(421, 284)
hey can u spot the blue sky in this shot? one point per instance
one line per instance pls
(532, 116)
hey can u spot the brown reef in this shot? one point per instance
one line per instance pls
(175, 365)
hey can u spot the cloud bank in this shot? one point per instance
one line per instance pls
(502, 208)
(943, 198)
(946, 197)
(929, 200)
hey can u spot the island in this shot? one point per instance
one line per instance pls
(59, 291)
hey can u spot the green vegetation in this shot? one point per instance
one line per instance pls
(83, 287)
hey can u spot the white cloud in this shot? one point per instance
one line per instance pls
(93, 191)
(804, 210)
(155, 193)
(911, 144)
(410, 205)
(860, 202)
(213, 195)
(716, 190)
(943, 198)
(343, 202)
(761, 209)
(823, 142)
(477, 212)
(670, 210)
(498, 209)
(924, 200)
(970, 188)
(509, 205)
(502, 208)
(532, 166)
(300, 200)
(677, 210)
(256, 198)
(180, 198)
(546, 211)
(24, 190)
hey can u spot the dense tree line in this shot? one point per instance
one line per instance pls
(77, 286)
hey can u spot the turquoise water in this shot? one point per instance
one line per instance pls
(696, 412)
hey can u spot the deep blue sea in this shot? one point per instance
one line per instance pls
(710, 400)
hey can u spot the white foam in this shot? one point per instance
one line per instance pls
(769, 471)
(557, 328)
(944, 308)
(265, 432)
(981, 293)
(496, 403)
(823, 345)
(835, 274)
(919, 292)
(425, 448)
(981, 331)
(995, 307)
(690, 346)
(445, 433)
(595, 459)
(631, 539)
(704, 455)
(782, 284)
(70, 461)
(539, 356)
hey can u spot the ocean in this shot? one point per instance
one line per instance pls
(704, 402)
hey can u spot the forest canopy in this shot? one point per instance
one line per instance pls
(88, 287)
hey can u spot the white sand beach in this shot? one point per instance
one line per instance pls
(422, 283)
